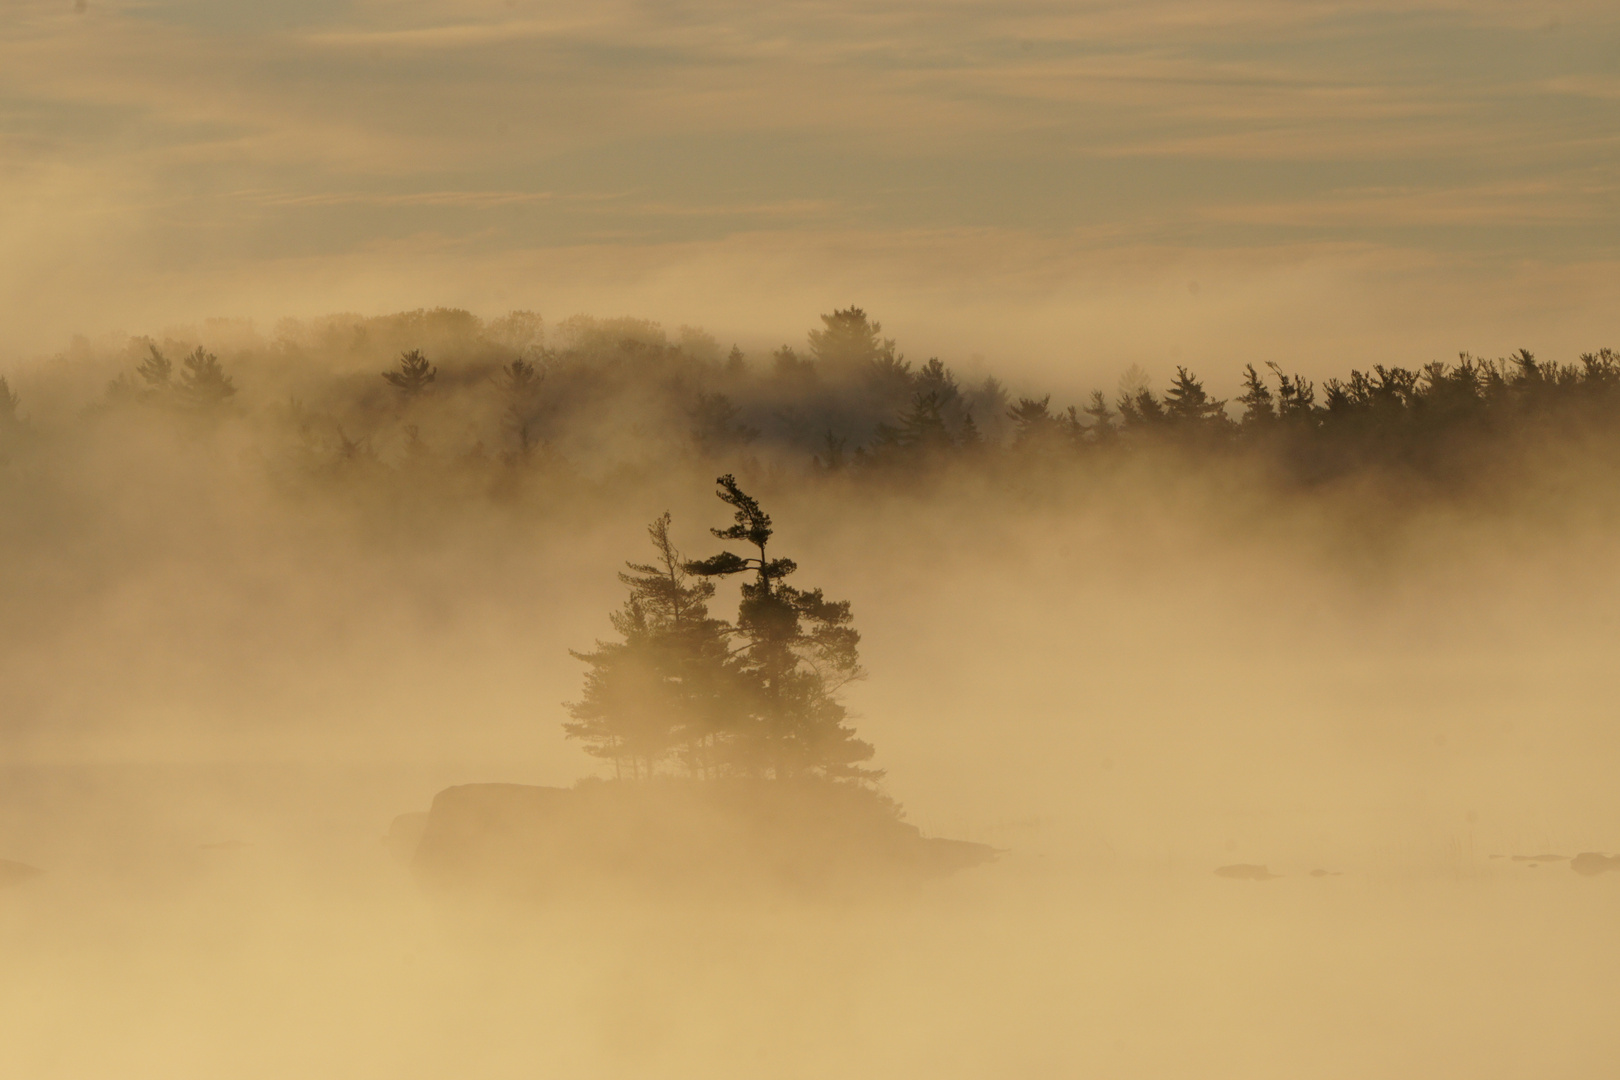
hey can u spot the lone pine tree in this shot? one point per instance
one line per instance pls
(796, 649)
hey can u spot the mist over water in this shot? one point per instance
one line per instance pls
(231, 655)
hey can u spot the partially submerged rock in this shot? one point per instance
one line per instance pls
(727, 836)
(1592, 862)
(405, 833)
(15, 873)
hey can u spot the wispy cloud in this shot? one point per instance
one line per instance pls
(227, 133)
(458, 35)
(1518, 204)
(475, 199)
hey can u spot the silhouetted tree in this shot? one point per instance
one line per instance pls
(797, 649)
(10, 421)
(666, 687)
(831, 459)
(788, 366)
(1187, 405)
(921, 432)
(8, 405)
(1032, 420)
(519, 384)
(716, 428)
(519, 378)
(951, 404)
(1140, 410)
(967, 433)
(1441, 422)
(1101, 429)
(1601, 370)
(417, 453)
(413, 376)
(155, 369)
(848, 341)
(935, 378)
(152, 383)
(1037, 431)
(989, 403)
(1296, 397)
(203, 384)
(351, 450)
(520, 331)
(1258, 410)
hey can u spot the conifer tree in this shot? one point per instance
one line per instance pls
(1258, 410)
(967, 434)
(1032, 419)
(8, 405)
(849, 341)
(921, 430)
(831, 460)
(935, 378)
(789, 367)
(1187, 403)
(203, 383)
(413, 376)
(1102, 420)
(519, 383)
(717, 427)
(1140, 409)
(1296, 397)
(10, 420)
(155, 369)
(1036, 431)
(797, 649)
(666, 687)
(989, 402)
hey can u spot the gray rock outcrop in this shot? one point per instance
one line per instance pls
(675, 836)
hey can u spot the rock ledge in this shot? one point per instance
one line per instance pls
(675, 835)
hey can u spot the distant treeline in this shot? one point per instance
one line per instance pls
(477, 395)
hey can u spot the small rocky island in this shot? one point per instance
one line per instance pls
(734, 765)
(674, 835)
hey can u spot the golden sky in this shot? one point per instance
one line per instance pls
(1068, 186)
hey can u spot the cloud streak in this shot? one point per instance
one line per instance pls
(172, 135)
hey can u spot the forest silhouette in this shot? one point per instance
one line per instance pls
(491, 407)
